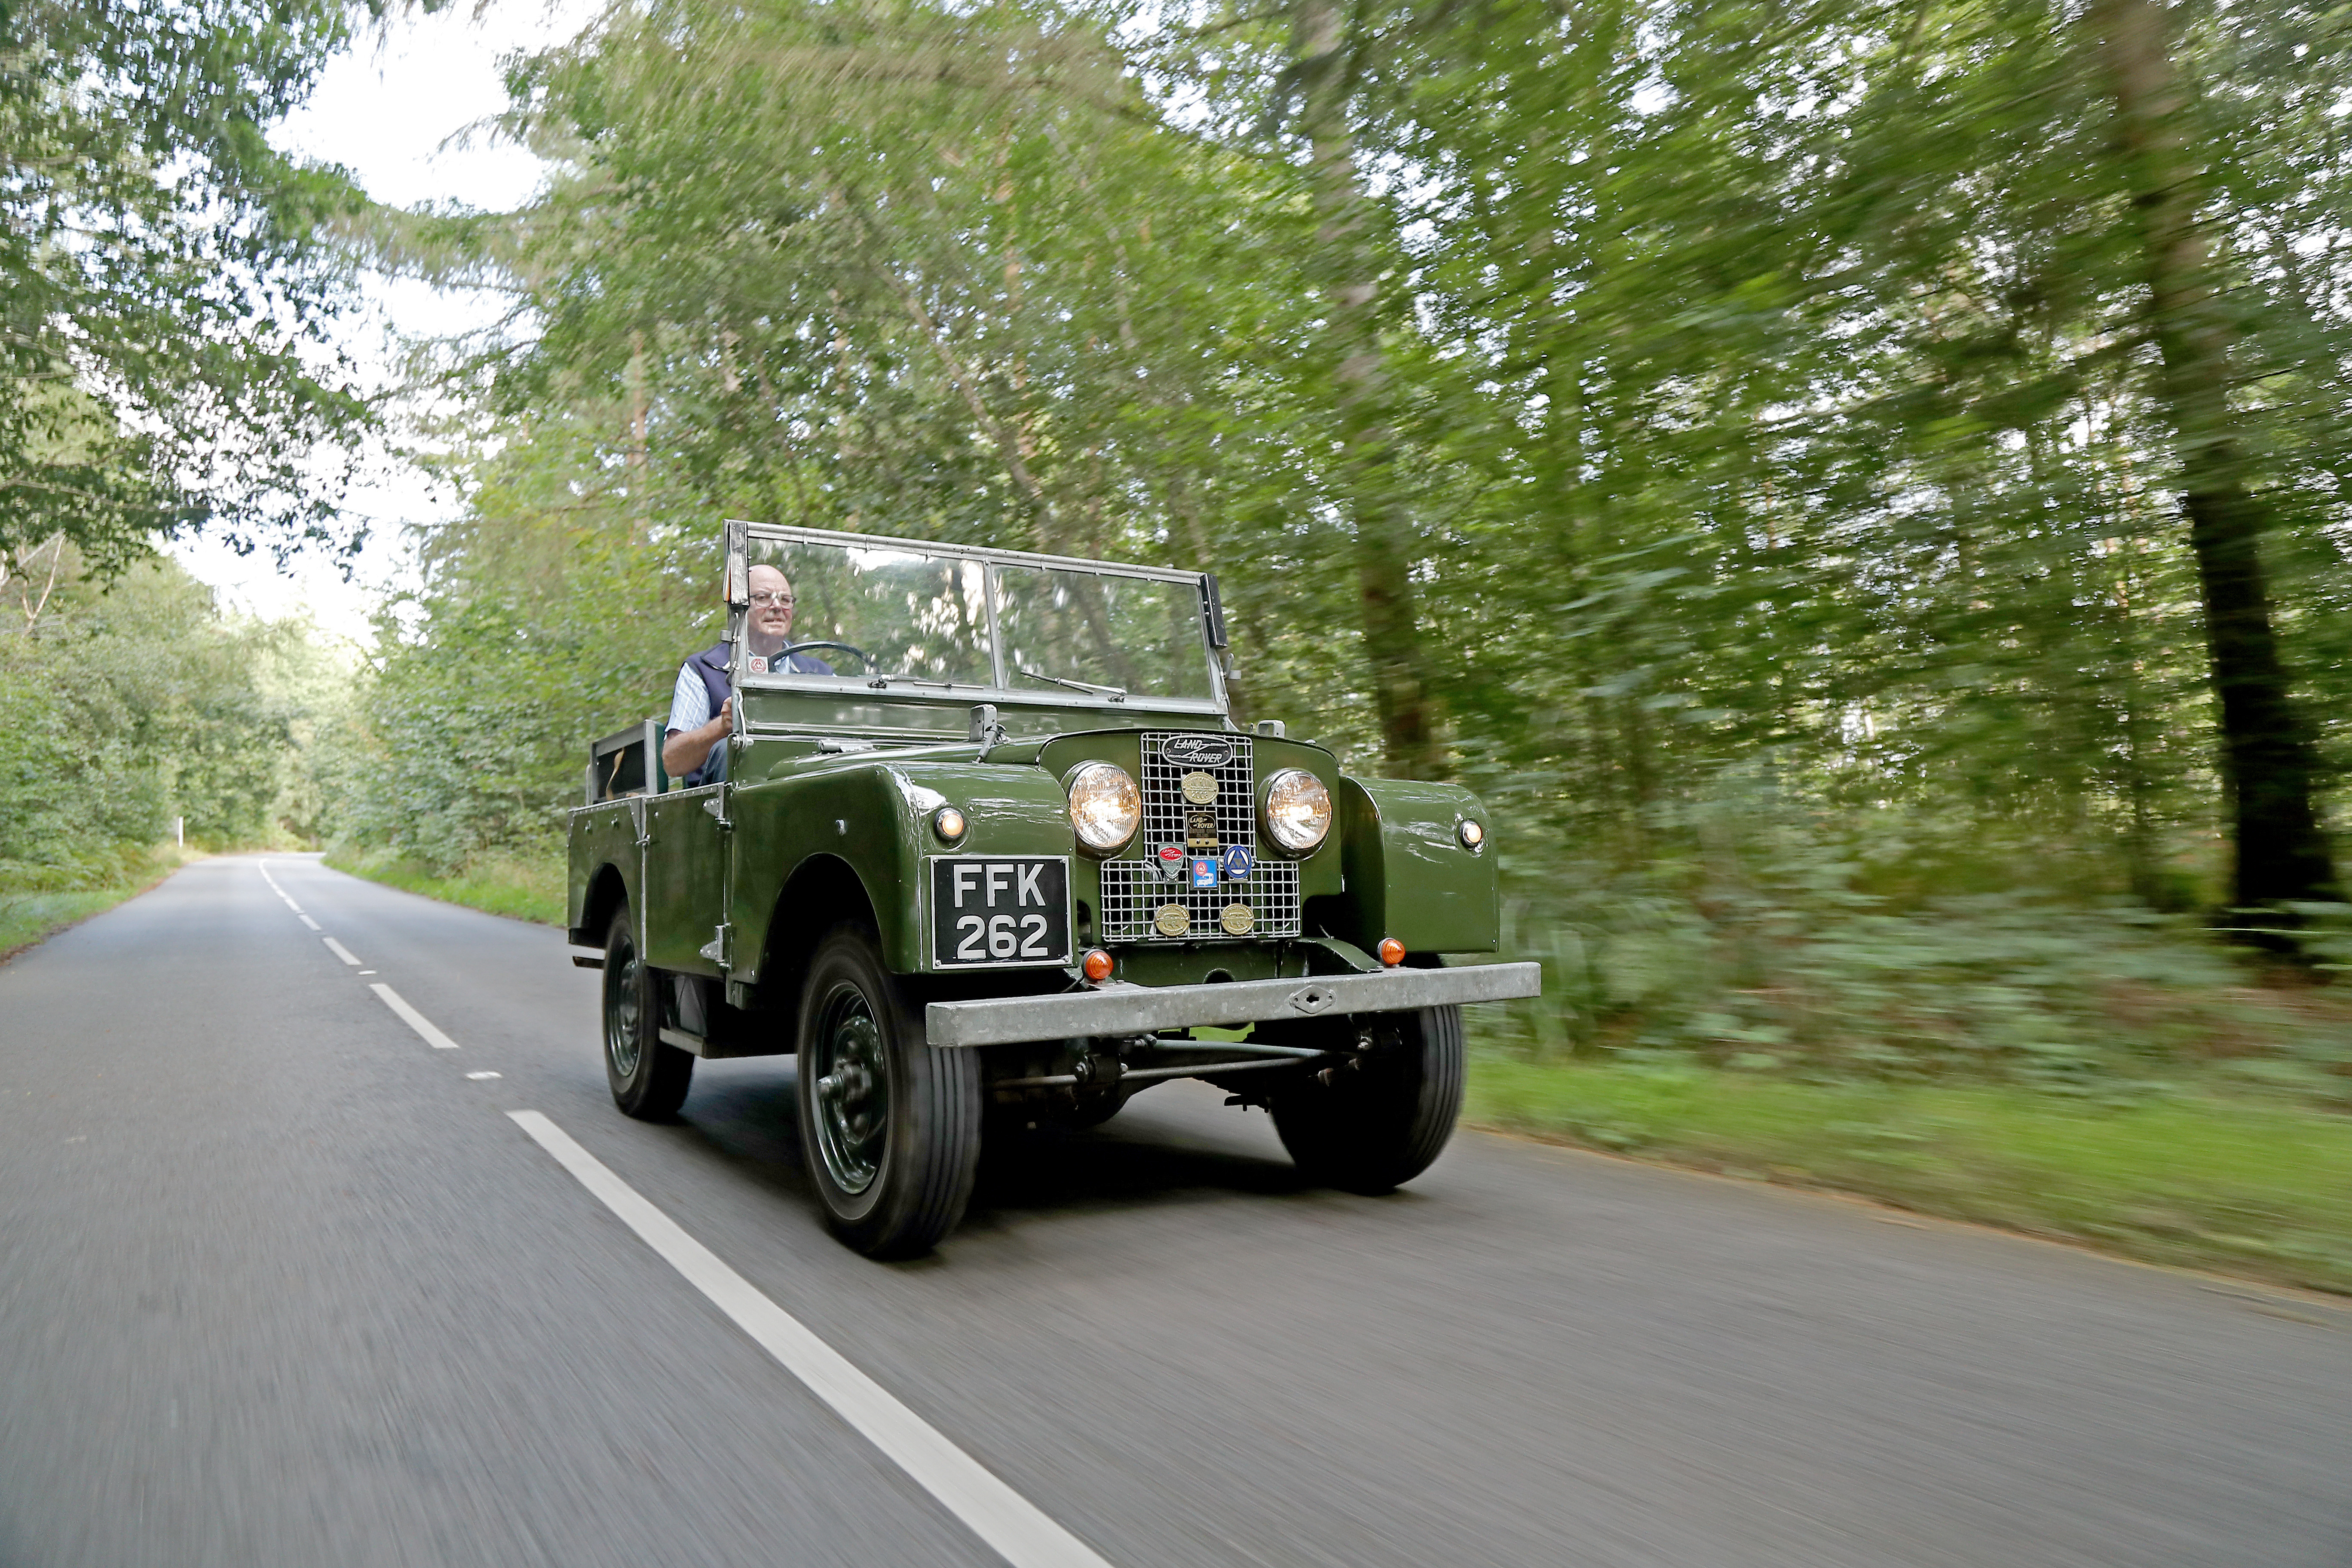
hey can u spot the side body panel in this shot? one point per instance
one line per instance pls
(685, 868)
(1408, 875)
(874, 816)
(602, 837)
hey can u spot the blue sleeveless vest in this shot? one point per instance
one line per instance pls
(712, 665)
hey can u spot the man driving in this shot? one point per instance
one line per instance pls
(702, 704)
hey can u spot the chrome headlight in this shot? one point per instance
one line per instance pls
(1297, 810)
(1105, 807)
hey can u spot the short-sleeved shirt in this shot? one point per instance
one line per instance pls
(690, 699)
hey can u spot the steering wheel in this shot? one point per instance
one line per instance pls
(791, 648)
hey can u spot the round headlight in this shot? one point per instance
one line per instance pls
(1104, 807)
(1471, 834)
(1297, 810)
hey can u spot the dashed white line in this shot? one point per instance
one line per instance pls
(339, 951)
(477, 1077)
(309, 921)
(1019, 1530)
(282, 893)
(412, 1018)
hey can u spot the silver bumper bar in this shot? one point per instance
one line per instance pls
(1141, 1009)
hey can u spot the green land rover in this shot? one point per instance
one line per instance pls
(989, 852)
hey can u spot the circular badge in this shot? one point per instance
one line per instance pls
(1172, 920)
(1200, 788)
(1237, 918)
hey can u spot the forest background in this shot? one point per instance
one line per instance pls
(1861, 489)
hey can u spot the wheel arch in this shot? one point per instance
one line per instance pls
(823, 892)
(607, 891)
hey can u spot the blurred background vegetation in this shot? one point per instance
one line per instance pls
(1860, 487)
(1787, 458)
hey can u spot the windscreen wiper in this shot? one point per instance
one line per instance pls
(1116, 693)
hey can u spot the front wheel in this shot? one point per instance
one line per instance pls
(1380, 1123)
(648, 1078)
(889, 1123)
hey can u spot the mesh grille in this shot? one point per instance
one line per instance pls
(1134, 892)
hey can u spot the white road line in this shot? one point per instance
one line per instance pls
(309, 921)
(477, 1077)
(282, 893)
(1000, 1516)
(339, 951)
(412, 1018)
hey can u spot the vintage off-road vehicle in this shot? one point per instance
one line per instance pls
(1010, 862)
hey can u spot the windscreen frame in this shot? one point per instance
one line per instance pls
(740, 535)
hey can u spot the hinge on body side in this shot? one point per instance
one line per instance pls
(717, 808)
(721, 949)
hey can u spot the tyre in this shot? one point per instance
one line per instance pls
(649, 1079)
(889, 1124)
(1377, 1126)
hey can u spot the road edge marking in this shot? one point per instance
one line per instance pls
(1019, 1531)
(412, 1017)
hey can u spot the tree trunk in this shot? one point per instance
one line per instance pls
(1350, 264)
(2268, 756)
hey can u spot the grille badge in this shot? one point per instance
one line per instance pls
(1191, 749)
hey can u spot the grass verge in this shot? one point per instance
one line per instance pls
(2205, 1181)
(29, 918)
(524, 890)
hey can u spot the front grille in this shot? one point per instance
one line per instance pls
(1134, 892)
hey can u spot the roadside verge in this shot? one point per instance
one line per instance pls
(521, 889)
(29, 918)
(2228, 1183)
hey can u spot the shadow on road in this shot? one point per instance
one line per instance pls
(745, 1118)
(1135, 1161)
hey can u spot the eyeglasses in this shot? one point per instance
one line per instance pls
(781, 601)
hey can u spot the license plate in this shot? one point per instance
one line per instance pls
(1000, 911)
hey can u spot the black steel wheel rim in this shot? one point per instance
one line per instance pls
(625, 1014)
(850, 1090)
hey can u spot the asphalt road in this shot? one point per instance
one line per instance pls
(281, 1284)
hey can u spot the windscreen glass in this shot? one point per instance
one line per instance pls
(1076, 631)
(858, 612)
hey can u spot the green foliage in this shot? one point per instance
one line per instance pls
(1769, 401)
(1900, 944)
(165, 275)
(128, 704)
(543, 623)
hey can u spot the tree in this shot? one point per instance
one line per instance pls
(1350, 260)
(165, 276)
(2269, 755)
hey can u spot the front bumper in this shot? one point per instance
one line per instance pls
(1115, 1010)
